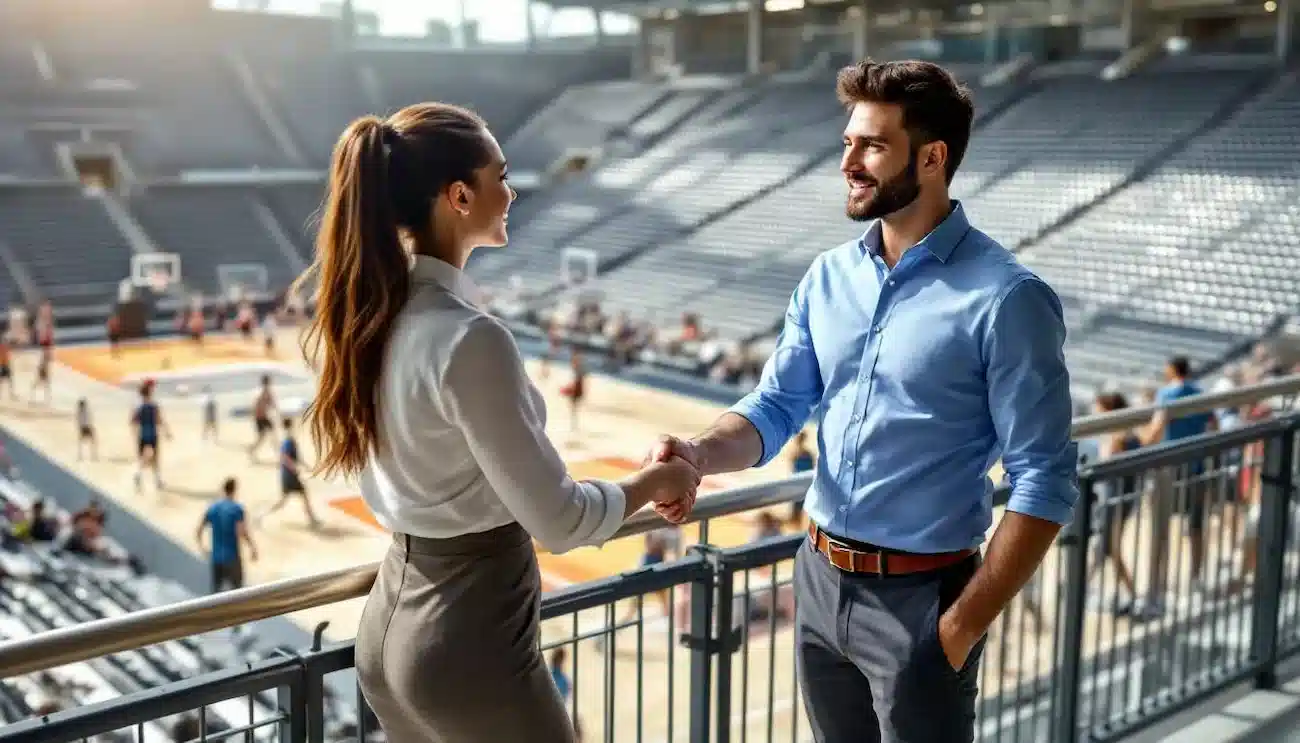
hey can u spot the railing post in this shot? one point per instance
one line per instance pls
(699, 641)
(1074, 545)
(292, 703)
(723, 645)
(1270, 549)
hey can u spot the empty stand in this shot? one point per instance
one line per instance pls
(197, 117)
(729, 151)
(316, 93)
(1200, 255)
(582, 117)
(208, 226)
(67, 242)
(1078, 138)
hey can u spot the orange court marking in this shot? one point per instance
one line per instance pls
(159, 355)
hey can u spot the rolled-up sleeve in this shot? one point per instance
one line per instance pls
(791, 384)
(486, 392)
(1029, 401)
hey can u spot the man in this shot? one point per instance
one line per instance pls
(929, 352)
(1197, 489)
(226, 520)
(291, 484)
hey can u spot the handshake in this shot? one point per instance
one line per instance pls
(669, 477)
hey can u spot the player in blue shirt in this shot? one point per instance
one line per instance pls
(225, 518)
(148, 422)
(291, 476)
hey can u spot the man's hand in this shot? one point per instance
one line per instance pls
(665, 449)
(956, 645)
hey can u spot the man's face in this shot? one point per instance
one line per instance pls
(879, 163)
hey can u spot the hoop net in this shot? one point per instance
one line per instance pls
(159, 281)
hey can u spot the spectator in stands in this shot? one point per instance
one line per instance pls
(186, 729)
(94, 511)
(423, 395)
(559, 659)
(225, 518)
(39, 526)
(931, 352)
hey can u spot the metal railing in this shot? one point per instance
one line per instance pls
(1044, 673)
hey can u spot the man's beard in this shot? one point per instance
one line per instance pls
(892, 195)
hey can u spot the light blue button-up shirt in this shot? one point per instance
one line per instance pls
(923, 376)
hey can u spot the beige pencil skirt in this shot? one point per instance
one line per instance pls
(447, 650)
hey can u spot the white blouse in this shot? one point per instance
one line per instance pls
(462, 430)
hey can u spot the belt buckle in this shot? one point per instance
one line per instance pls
(834, 548)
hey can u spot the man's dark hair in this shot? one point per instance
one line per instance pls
(935, 106)
(1180, 366)
(228, 487)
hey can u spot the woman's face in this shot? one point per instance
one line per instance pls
(490, 199)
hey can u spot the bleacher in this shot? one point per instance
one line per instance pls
(67, 243)
(1200, 255)
(706, 196)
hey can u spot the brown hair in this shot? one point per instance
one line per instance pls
(936, 108)
(384, 177)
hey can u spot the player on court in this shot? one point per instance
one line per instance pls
(246, 320)
(45, 325)
(42, 380)
(195, 324)
(263, 407)
(7, 367)
(209, 415)
(113, 329)
(269, 328)
(575, 390)
(148, 422)
(291, 477)
(85, 431)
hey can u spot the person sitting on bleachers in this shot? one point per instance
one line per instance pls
(94, 511)
(39, 526)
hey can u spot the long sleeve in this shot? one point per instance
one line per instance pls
(1029, 401)
(487, 394)
(791, 383)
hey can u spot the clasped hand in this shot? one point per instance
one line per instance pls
(682, 477)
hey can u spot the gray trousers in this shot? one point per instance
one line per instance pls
(870, 666)
(447, 650)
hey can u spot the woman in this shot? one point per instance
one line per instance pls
(424, 396)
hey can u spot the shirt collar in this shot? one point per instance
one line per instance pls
(941, 241)
(428, 269)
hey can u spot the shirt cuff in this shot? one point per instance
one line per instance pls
(1057, 510)
(751, 411)
(613, 498)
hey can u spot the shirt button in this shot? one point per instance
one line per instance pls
(843, 509)
(892, 282)
(855, 419)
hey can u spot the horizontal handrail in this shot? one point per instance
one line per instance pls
(81, 642)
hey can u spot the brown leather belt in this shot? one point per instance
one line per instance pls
(852, 560)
